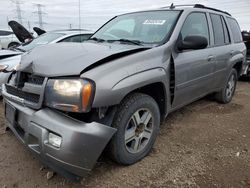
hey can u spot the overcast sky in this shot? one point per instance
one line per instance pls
(60, 14)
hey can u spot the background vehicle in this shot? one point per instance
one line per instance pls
(67, 101)
(25, 37)
(246, 38)
(8, 39)
(12, 57)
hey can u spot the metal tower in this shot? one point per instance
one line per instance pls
(40, 15)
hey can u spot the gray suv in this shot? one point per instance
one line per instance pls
(70, 102)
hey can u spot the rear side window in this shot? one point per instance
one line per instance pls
(218, 30)
(196, 24)
(226, 32)
(235, 30)
(77, 38)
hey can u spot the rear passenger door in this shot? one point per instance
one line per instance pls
(194, 68)
(222, 49)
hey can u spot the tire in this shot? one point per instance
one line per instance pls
(12, 44)
(133, 109)
(226, 94)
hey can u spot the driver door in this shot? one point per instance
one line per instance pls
(194, 69)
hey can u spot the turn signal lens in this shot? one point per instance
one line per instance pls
(86, 94)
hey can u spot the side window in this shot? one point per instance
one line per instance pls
(226, 32)
(76, 38)
(219, 38)
(196, 24)
(235, 30)
(85, 37)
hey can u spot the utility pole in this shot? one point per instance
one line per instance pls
(19, 13)
(70, 26)
(40, 15)
(79, 6)
(18, 10)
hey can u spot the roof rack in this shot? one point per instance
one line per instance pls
(214, 9)
(172, 6)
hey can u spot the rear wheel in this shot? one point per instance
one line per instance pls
(137, 121)
(227, 93)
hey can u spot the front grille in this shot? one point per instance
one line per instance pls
(22, 77)
(26, 86)
(22, 94)
(38, 80)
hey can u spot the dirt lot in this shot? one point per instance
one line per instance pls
(202, 145)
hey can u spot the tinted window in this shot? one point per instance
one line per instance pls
(195, 24)
(219, 38)
(226, 32)
(77, 38)
(5, 33)
(235, 30)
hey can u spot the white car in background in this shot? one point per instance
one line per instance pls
(9, 59)
(8, 39)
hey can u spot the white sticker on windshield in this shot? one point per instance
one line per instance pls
(154, 22)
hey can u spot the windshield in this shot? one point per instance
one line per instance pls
(150, 27)
(41, 40)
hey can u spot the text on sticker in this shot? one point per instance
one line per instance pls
(154, 22)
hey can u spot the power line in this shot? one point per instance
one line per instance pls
(40, 14)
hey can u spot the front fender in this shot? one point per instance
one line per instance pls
(123, 87)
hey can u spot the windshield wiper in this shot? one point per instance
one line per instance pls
(97, 39)
(136, 42)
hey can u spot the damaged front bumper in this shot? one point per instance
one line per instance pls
(82, 143)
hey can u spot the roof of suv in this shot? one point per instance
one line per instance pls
(199, 7)
(194, 6)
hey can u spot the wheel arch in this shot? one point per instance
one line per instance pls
(157, 91)
(153, 82)
(238, 66)
(12, 44)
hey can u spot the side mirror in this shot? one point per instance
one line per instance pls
(192, 42)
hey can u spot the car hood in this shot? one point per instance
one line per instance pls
(39, 31)
(11, 61)
(68, 59)
(8, 53)
(20, 31)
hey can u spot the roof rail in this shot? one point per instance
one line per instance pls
(204, 7)
(172, 6)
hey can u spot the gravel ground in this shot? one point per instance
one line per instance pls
(205, 144)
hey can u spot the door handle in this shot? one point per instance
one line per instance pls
(210, 58)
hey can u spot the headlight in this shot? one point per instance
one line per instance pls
(72, 95)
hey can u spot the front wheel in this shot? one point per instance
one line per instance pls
(226, 94)
(137, 121)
